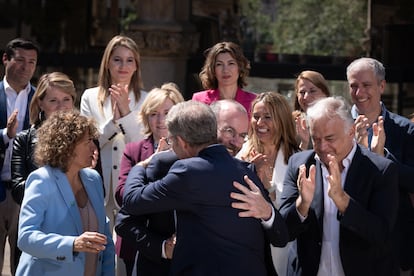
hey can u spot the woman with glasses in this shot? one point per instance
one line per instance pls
(152, 116)
(271, 141)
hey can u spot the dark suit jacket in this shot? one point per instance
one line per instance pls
(399, 144)
(3, 124)
(365, 228)
(211, 238)
(144, 233)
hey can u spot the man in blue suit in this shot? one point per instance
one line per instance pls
(19, 59)
(389, 135)
(211, 237)
(340, 200)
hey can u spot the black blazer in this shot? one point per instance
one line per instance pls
(399, 145)
(367, 226)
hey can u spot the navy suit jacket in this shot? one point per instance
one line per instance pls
(3, 124)
(367, 225)
(148, 232)
(399, 145)
(211, 238)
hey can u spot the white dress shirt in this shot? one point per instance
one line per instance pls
(330, 261)
(14, 101)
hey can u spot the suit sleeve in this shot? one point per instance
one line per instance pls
(277, 234)
(31, 238)
(19, 169)
(288, 203)
(127, 162)
(374, 220)
(405, 162)
(107, 129)
(133, 230)
(168, 193)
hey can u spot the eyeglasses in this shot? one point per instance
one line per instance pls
(169, 140)
(231, 133)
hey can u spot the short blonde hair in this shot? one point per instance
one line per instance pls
(154, 99)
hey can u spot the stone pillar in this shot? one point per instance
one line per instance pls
(166, 37)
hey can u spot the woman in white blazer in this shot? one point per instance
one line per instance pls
(63, 229)
(115, 104)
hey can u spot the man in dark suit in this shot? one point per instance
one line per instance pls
(211, 238)
(389, 135)
(148, 232)
(151, 232)
(340, 200)
(19, 59)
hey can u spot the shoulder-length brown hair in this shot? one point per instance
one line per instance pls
(314, 77)
(104, 78)
(207, 74)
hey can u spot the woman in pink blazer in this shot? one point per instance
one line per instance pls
(224, 75)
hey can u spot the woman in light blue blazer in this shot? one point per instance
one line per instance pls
(63, 229)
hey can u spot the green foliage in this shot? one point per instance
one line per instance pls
(255, 23)
(127, 20)
(314, 27)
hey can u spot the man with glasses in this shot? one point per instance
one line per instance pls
(211, 237)
(232, 124)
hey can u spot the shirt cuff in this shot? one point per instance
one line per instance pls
(302, 218)
(163, 250)
(6, 138)
(267, 224)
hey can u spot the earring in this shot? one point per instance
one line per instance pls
(41, 116)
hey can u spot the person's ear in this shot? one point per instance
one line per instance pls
(352, 131)
(382, 86)
(181, 142)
